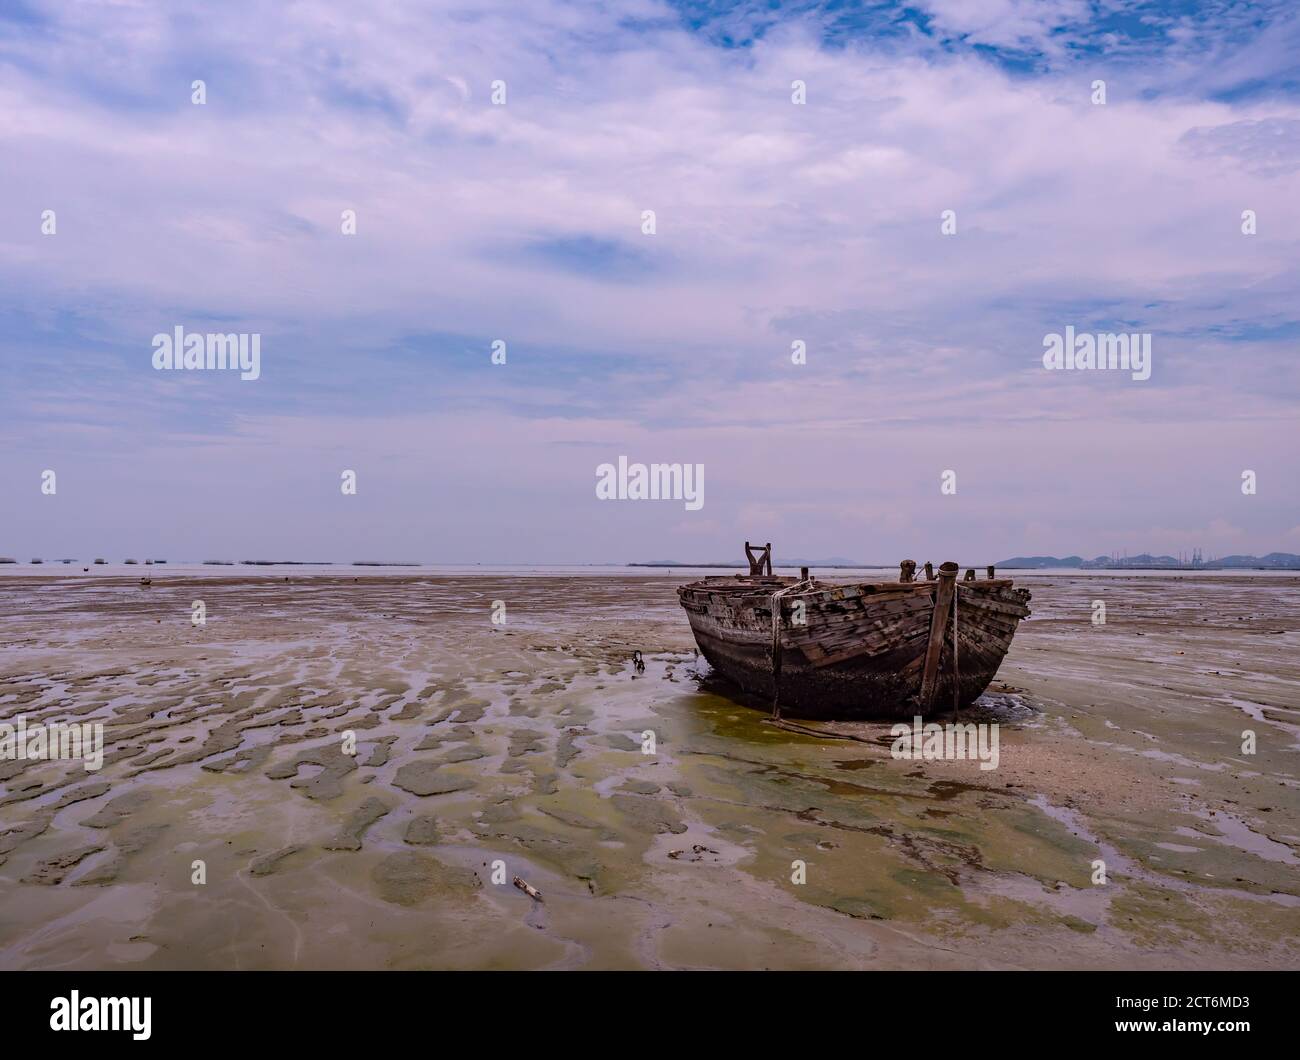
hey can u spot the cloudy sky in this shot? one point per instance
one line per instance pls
(775, 223)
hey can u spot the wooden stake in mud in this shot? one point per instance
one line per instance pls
(943, 594)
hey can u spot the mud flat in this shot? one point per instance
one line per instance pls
(524, 743)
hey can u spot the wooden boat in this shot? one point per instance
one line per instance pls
(870, 650)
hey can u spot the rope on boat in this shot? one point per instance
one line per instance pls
(790, 726)
(776, 644)
(956, 670)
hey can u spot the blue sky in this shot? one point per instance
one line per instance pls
(522, 222)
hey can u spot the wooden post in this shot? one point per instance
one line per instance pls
(907, 570)
(956, 668)
(929, 571)
(970, 574)
(990, 572)
(760, 563)
(776, 655)
(803, 574)
(943, 594)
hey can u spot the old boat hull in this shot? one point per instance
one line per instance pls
(853, 651)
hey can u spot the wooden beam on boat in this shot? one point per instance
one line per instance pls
(907, 570)
(929, 571)
(943, 594)
(760, 560)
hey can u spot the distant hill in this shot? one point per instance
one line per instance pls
(1038, 562)
(1276, 560)
(1146, 561)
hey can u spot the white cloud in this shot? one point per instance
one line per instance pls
(776, 222)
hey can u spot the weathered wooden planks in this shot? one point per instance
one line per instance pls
(859, 650)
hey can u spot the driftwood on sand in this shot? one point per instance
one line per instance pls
(528, 889)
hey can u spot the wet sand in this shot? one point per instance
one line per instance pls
(523, 743)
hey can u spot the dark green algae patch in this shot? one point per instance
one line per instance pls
(897, 848)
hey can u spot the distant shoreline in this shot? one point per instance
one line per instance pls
(1272, 561)
(1242, 565)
